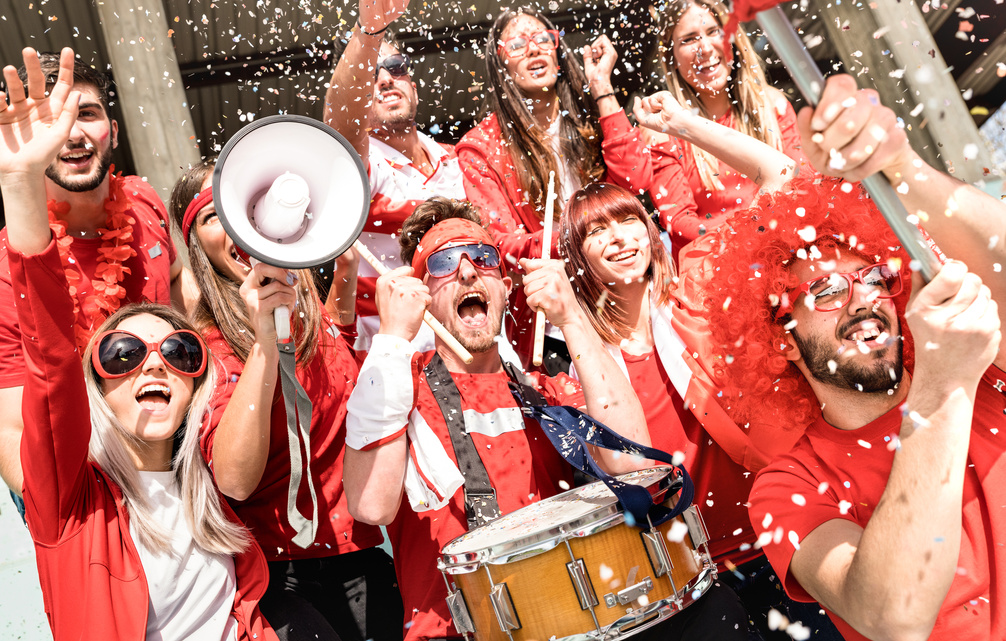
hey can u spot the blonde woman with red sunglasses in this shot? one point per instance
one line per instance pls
(131, 537)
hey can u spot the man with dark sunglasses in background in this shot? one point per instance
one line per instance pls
(372, 100)
(889, 511)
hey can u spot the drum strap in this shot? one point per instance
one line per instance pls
(480, 496)
(570, 430)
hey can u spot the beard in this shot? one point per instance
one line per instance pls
(399, 121)
(87, 182)
(880, 375)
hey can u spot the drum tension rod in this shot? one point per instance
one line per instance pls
(587, 595)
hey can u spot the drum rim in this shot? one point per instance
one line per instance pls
(546, 538)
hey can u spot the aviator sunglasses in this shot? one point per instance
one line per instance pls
(119, 353)
(445, 262)
(396, 64)
(833, 292)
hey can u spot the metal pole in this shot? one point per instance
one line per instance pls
(808, 79)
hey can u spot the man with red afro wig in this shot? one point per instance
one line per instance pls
(889, 510)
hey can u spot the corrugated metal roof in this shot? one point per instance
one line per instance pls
(251, 58)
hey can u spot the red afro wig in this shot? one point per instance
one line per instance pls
(751, 277)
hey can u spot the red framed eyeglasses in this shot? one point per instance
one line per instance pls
(516, 47)
(833, 291)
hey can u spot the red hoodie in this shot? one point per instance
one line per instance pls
(93, 585)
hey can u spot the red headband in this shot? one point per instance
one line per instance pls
(200, 200)
(453, 231)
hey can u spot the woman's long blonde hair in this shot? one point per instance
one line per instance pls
(751, 104)
(110, 448)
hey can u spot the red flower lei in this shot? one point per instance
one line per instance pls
(107, 293)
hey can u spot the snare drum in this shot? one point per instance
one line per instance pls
(569, 566)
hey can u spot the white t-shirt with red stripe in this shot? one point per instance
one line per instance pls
(396, 187)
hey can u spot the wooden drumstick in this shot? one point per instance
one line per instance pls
(437, 327)
(546, 249)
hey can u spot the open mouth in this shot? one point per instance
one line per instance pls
(708, 67)
(473, 309)
(869, 333)
(79, 157)
(154, 397)
(622, 256)
(239, 256)
(537, 68)
(389, 98)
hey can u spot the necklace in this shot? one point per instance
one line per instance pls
(107, 292)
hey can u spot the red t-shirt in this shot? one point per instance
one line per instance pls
(841, 474)
(721, 485)
(674, 159)
(328, 380)
(149, 278)
(522, 466)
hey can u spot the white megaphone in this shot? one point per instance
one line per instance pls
(291, 192)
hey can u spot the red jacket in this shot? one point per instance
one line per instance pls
(491, 185)
(93, 585)
(687, 209)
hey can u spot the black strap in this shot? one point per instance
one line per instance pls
(480, 496)
(570, 430)
(298, 429)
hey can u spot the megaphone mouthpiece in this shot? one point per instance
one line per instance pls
(280, 212)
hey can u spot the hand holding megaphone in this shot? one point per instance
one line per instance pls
(269, 293)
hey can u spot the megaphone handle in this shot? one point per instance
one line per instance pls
(281, 315)
(437, 327)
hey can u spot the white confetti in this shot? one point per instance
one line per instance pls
(677, 532)
(605, 572)
(794, 539)
(776, 620)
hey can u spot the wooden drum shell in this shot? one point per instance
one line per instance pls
(543, 593)
(614, 555)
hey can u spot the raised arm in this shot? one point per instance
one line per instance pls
(378, 411)
(350, 92)
(888, 580)
(599, 58)
(240, 441)
(341, 300)
(33, 127)
(608, 393)
(768, 168)
(852, 135)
